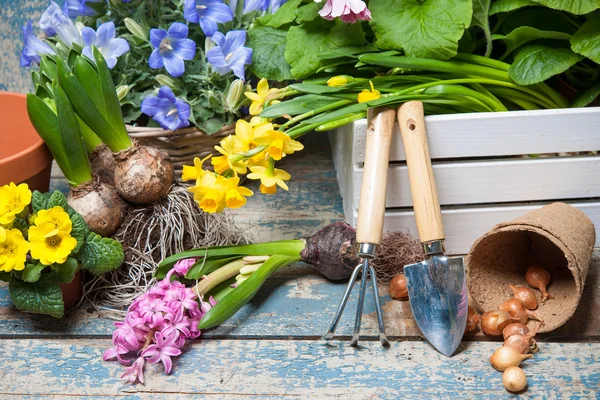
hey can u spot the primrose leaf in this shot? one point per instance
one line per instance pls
(500, 6)
(32, 272)
(284, 15)
(308, 12)
(42, 297)
(22, 225)
(39, 201)
(587, 97)
(79, 231)
(5, 276)
(57, 199)
(427, 29)
(535, 64)
(578, 7)
(480, 18)
(524, 34)
(99, 255)
(321, 36)
(268, 59)
(66, 271)
(586, 41)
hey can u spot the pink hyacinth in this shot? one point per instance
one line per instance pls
(349, 11)
(182, 267)
(135, 372)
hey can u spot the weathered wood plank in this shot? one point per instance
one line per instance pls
(296, 369)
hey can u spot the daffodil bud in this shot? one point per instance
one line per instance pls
(234, 93)
(135, 29)
(165, 80)
(122, 91)
(340, 80)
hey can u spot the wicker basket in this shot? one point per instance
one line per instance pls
(181, 144)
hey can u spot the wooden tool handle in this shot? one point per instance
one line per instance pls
(420, 173)
(371, 207)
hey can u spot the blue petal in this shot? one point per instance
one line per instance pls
(185, 48)
(275, 4)
(234, 41)
(178, 30)
(166, 93)
(208, 26)
(183, 109)
(219, 39)
(239, 60)
(219, 12)
(216, 58)
(190, 12)
(111, 62)
(171, 122)
(174, 65)
(157, 36)
(118, 47)
(88, 35)
(106, 32)
(156, 59)
(32, 45)
(87, 51)
(154, 106)
(255, 5)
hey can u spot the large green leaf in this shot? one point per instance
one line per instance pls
(586, 41)
(99, 255)
(578, 7)
(535, 64)
(41, 297)
(32, 272)
(284, 15)
(308, 12)
(66, 271)
(57, 199)
(79, 231)
(87, 75)
(587, 97)
(524, 34)
(39, 201)
(422, 28)
(481, 9)
(510, 5)
(268, 49)
(320, 36)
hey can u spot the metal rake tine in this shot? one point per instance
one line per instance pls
(361, 303)
(382, 336)
(340, 310)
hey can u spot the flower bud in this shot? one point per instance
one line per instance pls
(234, 93)
(122, 91)
(165, 80)
(135, 29)
(340, 80)
(208, 44)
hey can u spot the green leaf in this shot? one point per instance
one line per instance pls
(427, 29)
(297, 105)
(586, 41)
(544, 19)
(524, 34)
(66, 271)
(87, 75)
(48, 68)
(481, 9)
(578, 7)
(308, 12)
(32, 272)
(57, 199)
(22, 225)
(42, 297)
(320, 36)
(79, 231)
(201, 267)
(99, 255)
(587, 97)
(500, 6)
(5, 276)
(268, 48)
(39, 201)
(284, 15)
(535, 64)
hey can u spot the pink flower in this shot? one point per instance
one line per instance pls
(153, 311)
(164, 347)
(130, 333)
(135, 372)
(182, 267)
(180, 297)
(116, 352)
(206, 306)
(349, 11)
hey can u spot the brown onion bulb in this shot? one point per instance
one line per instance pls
(506, 357)
(514, 379)
(472, 320)
(517, 310)
(526, 296)
(103, 164)
(539, 278)
(514, 329)
(522, 342)
(398, 287)
(493, 322)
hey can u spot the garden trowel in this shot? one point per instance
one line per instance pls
(437, 288)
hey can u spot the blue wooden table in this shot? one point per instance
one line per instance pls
(272, 347)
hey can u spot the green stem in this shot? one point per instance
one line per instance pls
(219, 276)
(319, 110)
(340, 122)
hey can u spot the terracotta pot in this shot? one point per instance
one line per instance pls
(23, 155)
(72, 291)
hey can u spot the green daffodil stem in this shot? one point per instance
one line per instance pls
(222, 274)
(339, 122)
(316, 111)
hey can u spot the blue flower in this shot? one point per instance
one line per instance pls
(33, 47)
(55, 22)
(104, 40)
(171, 48)
(230, 54)
(80, 8)
(166, 109)
(207, 13)
(255, 5)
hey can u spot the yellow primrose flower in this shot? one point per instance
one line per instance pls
(196, 172)
(340, 80)
(235, 196)
(270, 178)
(50, 245)
(279, 144)
(13, 200)
(230, 147)
(368, 95)
(13, 250)
(263, 95)
(56, 217)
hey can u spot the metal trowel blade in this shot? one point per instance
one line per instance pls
(438, 297)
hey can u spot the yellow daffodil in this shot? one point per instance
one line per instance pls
(13, 250)
(196, 172)
(13, 200)
(247, 131)
(230, 147)
(340, 80)
(368, 95)
(215, 192)
(50, 245)
(270, 178)
(263, 95)
(56, 217)
(235, 196)
(279, 144)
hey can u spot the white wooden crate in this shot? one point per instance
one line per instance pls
(480, 177)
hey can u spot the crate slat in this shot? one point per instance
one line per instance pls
(496, 134)
(495, 181)
(463, 226)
